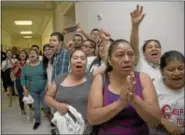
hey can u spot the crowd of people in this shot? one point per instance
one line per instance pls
(114, 89)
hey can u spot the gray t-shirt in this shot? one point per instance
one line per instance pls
(75, 96)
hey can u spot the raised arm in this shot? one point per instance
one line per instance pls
(80, 30)
(96, 112)
(136, 18)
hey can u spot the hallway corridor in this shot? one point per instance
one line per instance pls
(15, 123)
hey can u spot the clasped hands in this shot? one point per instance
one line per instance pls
(127, 94)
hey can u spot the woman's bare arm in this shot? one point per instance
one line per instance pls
(50, 95)
(99, 70)
(96, 112)
(148, 107)
(134, 42)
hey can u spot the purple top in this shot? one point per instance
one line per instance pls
(127, 122)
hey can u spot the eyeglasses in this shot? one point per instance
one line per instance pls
(84, 46)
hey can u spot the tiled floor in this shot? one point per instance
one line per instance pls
(15, 123)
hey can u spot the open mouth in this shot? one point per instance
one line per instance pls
(155, 55)
(177, 79)
(78, 67)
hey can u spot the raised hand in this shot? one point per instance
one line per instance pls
(104, 35)
(137, 15)
(64, 32)
(79, 29)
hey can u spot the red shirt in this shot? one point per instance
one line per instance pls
(18, 74)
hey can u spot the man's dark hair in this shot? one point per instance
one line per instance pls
(35, 46)
(93, 43)
(95, 29)
(59, 36)
(148, 41)
(78, 35)
(45, 59)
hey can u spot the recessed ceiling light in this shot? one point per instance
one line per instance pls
(23, 22)
(26, 32)
(27, 36)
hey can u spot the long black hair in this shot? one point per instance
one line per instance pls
(45, 59)
(24, 52)
(97, 60)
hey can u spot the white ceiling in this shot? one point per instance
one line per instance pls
(38, 12)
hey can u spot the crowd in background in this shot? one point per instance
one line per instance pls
(114, 89)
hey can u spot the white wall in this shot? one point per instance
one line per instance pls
(6, 39)
(163, 21)
(26, 43)
(47, 32)
(58, 15)
(69, 16)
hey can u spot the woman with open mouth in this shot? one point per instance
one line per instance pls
(71, 88)
(170, 91)
(150, 62)
(33, 80)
